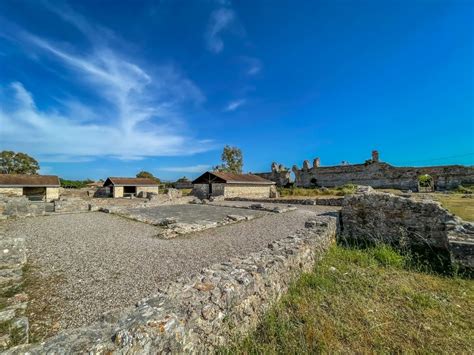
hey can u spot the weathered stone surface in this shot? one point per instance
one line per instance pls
(71, 204)
(407, 222)
(279, 174)
(201, 312)
(14, 329)
(22, 207)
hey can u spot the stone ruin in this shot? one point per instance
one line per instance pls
(378, 174)
(279, 174)
(423, 226)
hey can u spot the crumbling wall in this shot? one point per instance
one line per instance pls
(14, 323)
(422, 225)
(71, 204)
(381, 175)
(22, 207)
(279, 175)
(200, 313)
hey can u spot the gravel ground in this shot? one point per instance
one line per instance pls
(86, 264)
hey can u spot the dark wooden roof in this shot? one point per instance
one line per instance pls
(231, 178)
(123, 181)
(22, 180)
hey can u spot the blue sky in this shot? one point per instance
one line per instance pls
(109, 88)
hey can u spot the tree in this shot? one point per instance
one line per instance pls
(232, 160)
(17, 163)
(147, 175)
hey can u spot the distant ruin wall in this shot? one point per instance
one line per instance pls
(279, 175)
(382, 175)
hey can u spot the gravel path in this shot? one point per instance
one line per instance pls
(91, 263)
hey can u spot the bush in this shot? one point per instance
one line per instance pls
(74, 184)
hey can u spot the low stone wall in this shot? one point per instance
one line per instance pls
(13, 322)
(420, 224)
(22, 207)
(313, 201)
(204, 311)
(71, 204)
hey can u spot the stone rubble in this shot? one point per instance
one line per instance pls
(404, 221)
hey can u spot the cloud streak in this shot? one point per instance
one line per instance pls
(187, 169)
(234, 105)
(142, 107)
(220, 21)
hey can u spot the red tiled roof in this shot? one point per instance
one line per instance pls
(20, 180)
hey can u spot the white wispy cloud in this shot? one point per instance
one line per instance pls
(141, 115)
(234, 105)
(187, 169)
(220, 20)
(254, 65)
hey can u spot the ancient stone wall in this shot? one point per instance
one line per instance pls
(52, 193)
(202, 312)
(14, 323)
(279, 175)
(71, 204)
(22, 207)
(407, 222)
(11, 191)
(200, 190)
(147, 189)
(234, 190)
(381, 175)
(118, 191)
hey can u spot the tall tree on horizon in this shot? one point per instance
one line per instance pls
(232, 160)
(17, 163)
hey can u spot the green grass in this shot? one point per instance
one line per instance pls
(315, 192)
(458, 204)
(367, 301)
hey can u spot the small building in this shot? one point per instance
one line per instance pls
(34, 187)
(232, 185)
(121, 187)
(183, 183)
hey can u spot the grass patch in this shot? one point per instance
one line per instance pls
(315, 192)
(458, 204)
(367, 301)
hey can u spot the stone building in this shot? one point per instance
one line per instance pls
(378, 174)
(183, 183)
(121, 187)
(232, 185)
(34, 187)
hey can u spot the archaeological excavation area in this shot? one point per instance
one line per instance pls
(137, 275)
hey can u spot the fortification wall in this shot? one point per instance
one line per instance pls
(381, 175)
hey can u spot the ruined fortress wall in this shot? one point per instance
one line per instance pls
(383, 175)
(279, 175)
